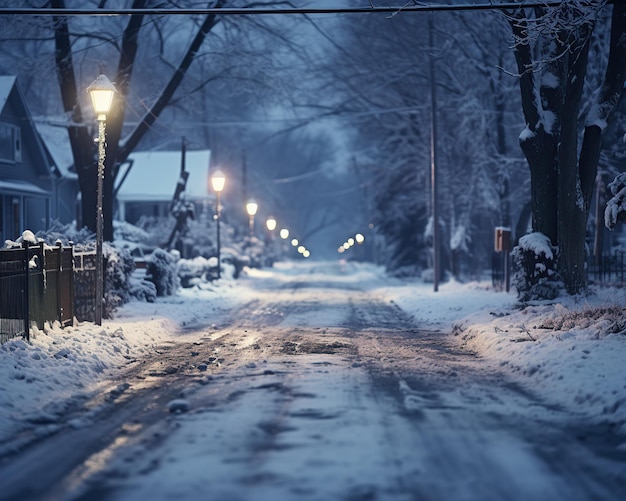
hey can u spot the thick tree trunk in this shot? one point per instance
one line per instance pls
(538, 141)
(573, 210)
(561, 182)
(81, 143)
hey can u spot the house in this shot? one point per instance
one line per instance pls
(26, 184)
(147, 182)
(66, 189)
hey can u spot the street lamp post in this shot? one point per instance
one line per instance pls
(101, 91)
(218, 180)
(251, 207)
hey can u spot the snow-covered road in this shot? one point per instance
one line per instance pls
(317, 388)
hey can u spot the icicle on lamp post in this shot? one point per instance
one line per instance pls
(218, 180)
(251, 208)
(101, 91)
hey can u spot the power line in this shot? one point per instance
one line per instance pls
(283, 11)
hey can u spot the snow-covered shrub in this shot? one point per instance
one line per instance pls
(192, 271)
(161, 270)
(535, 261)
(230, 256)
(143, 290)
(65, 233)
(616, 207)
(254, 249)
(117, 285)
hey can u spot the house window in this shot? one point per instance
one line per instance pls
(10, 143)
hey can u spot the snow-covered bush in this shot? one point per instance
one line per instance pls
(616, 207)
(65, 233)
(237, 262)
(117, 286)
(142, 289)
(535, 276)
(193, 271)
(161, 270)
(254, 249)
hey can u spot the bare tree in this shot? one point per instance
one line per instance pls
(117, 149)
(551, 49)
(381, 73)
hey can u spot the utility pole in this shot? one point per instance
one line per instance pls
(433, 153)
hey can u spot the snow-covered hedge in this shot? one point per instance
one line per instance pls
(535, 276)
(616, 207)
(161, 270)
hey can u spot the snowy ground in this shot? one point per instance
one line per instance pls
(570, 353)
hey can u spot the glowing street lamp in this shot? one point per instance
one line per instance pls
(271, 223)
(294, 242)
(251, 208)
(101, 91)
(359, 238)
(284, 233)
(218, 180)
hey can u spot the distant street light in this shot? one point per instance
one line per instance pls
(294, 242)
(359, 238)
(284, 233)
(251, 208)
(218, 180)
(101, 91)
(271, 223)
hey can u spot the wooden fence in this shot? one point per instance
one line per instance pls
(36, 286)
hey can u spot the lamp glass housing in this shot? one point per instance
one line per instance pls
(252, 207)
(218, 180)
(101, 91)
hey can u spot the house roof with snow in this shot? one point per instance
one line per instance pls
(57, 141)
(153, 175)
(6, 86)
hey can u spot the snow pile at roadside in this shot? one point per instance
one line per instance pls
(41, 377)
(571, 352)
(59, 367)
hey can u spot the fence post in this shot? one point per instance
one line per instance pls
(26, 292)
(72, 285)
(59, 307)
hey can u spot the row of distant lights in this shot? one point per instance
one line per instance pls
(358, 239)
(284, 234)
